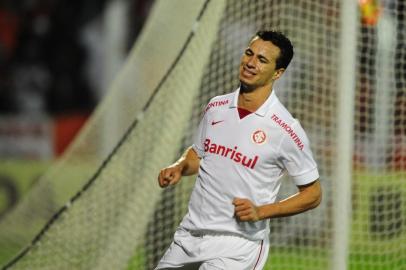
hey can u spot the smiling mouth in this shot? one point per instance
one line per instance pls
(248, 72)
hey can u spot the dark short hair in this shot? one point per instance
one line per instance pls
(280, 41)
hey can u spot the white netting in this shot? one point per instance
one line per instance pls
(378, 236)
(123, 221)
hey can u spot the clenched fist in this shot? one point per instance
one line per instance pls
(245, 210)
(170, 175)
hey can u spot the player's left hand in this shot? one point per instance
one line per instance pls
(245, 210)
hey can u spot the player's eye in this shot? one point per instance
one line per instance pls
(248, 52)
(263, 60)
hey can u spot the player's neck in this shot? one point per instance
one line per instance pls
(252, 100)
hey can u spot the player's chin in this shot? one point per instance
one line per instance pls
(245, 79)
(246, 87)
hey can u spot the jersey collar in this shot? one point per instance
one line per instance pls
(262, 111)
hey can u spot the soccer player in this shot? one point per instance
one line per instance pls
(246, 141)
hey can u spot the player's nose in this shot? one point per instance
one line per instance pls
(251, 62)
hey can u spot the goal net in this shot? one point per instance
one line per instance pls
(99, 206)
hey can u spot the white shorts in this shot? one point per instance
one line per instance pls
(214, 251)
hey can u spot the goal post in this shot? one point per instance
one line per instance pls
(342, 176)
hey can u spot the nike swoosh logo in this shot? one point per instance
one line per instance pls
(216, 122)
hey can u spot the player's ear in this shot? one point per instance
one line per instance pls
(278, 73)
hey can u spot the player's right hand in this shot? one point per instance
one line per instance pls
(170, 175)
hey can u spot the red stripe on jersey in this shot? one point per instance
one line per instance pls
(243, 112)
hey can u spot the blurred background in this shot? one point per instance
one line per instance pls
(57, 58)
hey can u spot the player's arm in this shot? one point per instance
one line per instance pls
(187, 164)
(308, 197)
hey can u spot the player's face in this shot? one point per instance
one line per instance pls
(257, 67)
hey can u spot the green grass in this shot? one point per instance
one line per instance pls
(297, 259)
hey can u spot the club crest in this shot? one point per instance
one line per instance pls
(258, 137)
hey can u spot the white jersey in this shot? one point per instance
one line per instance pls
(245, 158)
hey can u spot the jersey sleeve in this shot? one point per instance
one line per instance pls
(297, 158)
(199, 137)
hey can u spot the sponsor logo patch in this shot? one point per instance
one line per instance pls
(216, 104)
(231, 153)
(289, 130)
